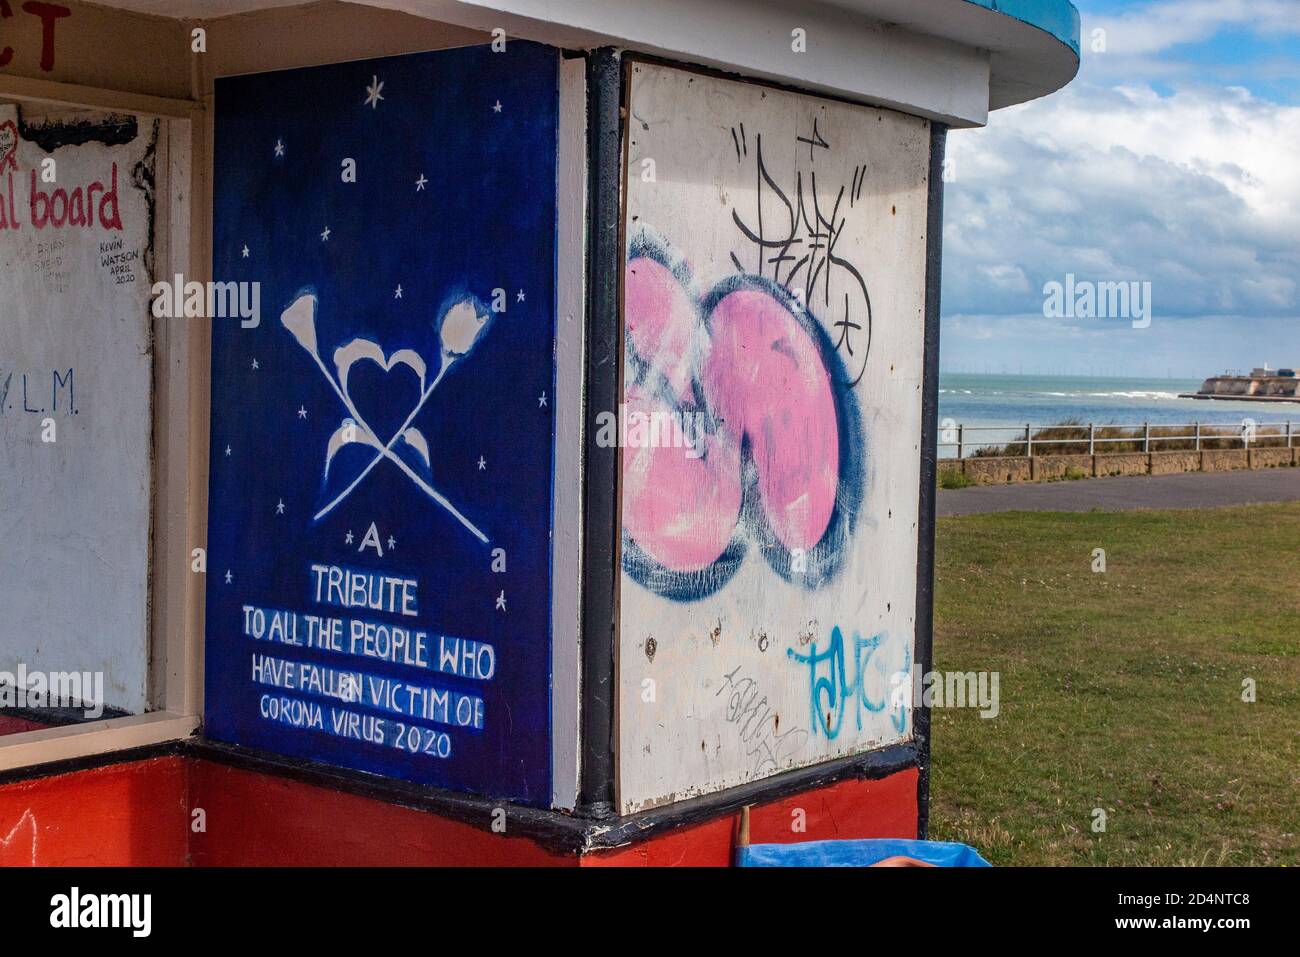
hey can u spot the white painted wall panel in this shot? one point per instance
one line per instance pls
(798, 522)
(75, 349)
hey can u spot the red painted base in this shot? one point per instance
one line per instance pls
(148, 813)
(123, 814)
(850, 809)
(266, 820)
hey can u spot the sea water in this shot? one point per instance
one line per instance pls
(1010, 401)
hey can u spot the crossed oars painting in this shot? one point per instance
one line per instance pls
(459, 329)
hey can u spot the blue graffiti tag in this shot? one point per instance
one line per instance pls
(830, 694)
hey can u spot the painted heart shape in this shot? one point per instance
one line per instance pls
(459, 328)
(358, 349)
(8, 144)
(366, 350)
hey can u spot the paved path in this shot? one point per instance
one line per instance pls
(1181, 490)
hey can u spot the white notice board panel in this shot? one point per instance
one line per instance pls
(75, 371)
(773, 306)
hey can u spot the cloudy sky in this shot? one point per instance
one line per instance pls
(1173, 158)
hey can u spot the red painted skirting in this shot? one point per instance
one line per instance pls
(122, 814)
(261, 819)
(141, 813)
(849, 809)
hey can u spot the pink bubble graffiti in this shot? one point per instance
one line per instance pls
(780, 444)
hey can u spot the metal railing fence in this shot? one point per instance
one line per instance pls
(1093, 435)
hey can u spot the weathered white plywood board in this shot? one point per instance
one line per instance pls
(767, 603)
(75, 354)
(570, 324)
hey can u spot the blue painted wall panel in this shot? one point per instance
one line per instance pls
(383, 437)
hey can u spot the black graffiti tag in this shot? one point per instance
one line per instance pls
(798, 249)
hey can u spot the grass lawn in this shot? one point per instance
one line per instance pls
(1122, 690)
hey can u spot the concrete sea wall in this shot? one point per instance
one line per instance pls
(1001, 470)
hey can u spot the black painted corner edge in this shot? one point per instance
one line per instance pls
(603, 357)
(929, 424)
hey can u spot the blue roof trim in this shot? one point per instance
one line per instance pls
(1059, 18)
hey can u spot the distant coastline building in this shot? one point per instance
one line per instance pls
(1261, 385)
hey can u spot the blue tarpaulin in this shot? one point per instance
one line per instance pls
(857, 853)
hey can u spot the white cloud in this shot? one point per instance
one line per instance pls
(1198, 192)
(1006, 276)
(1156, 164)
(1152, 28)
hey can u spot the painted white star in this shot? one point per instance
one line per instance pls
(519, 296)
(279, 147)
(279, 507)
(482, 464)
(541, 400)
(373, 94)
(255, 365)
(227, 450)
(245, 250)
(398, 294)
(501, 601)
(229, 577)
(302, 412)
(496, 107)
(347, 539)
(392, 543)
(325, 234)
(420, 183)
